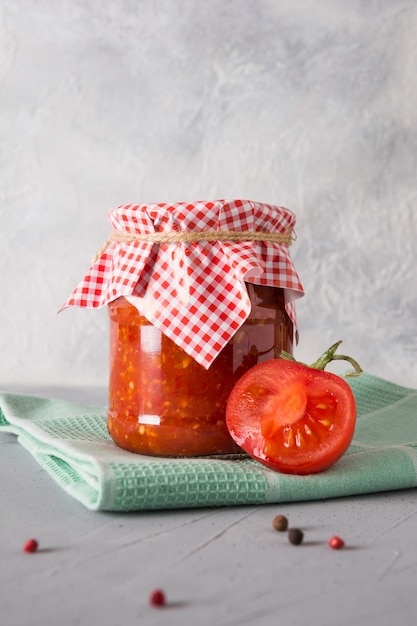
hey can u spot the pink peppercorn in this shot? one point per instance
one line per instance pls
(31, 545)
(157, 598)
(336, 542)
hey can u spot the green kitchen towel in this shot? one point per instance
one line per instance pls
(71, 442)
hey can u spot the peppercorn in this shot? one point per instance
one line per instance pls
(31, 545)
(157, 598)
(295, 536)
(280, 523)
(336, 542)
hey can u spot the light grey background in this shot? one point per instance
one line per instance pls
(310, 104)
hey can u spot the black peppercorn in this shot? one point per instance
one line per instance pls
(295, 536)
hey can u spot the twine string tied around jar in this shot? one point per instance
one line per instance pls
(196, 236)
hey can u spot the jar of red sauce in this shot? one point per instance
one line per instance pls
(161, 401)
(197, 294)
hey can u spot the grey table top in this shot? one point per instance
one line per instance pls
(223, 567)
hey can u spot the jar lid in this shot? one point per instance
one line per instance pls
(187, 264)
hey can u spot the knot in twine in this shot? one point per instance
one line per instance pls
(195, 236)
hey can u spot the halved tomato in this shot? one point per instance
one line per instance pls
(291, 417)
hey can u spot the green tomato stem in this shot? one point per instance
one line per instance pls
(326, 358)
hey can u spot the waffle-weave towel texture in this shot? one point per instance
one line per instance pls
(70, 441)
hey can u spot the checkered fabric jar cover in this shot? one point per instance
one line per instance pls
(193, 290)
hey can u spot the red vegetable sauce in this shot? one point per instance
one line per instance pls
(161, 401)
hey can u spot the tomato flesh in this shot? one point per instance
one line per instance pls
(291, 417)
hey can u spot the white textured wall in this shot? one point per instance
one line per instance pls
(307, 103)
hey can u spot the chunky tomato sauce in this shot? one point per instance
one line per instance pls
(161, 401)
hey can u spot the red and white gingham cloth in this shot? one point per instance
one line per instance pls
(193, 292)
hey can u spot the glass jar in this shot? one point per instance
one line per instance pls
(161, 401)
